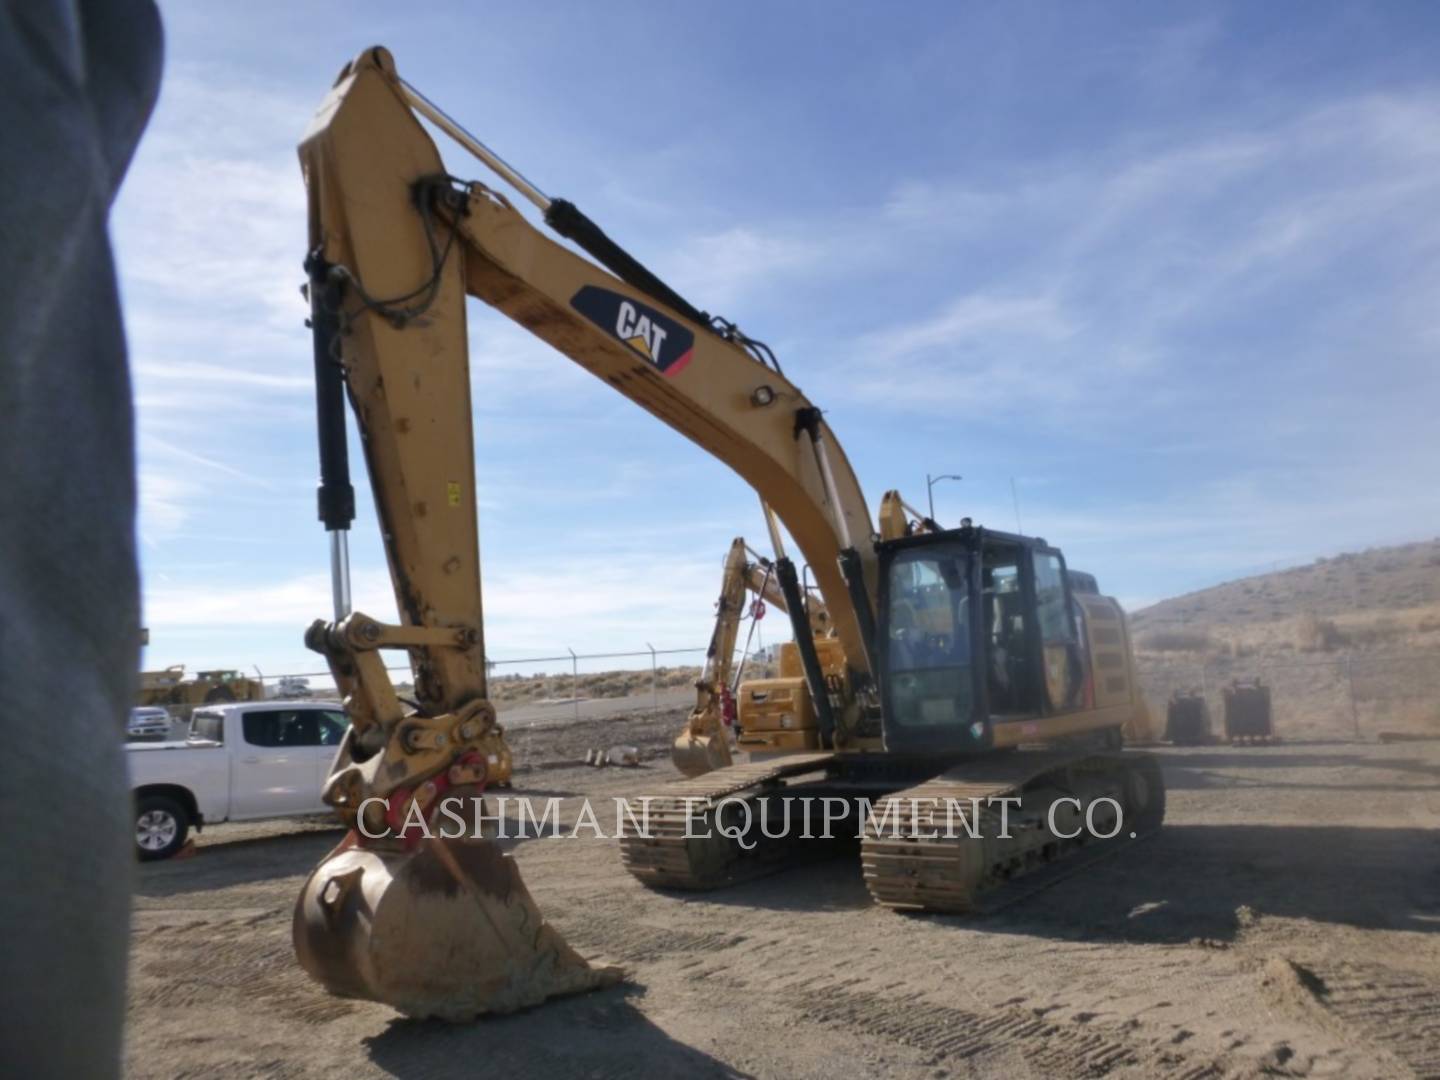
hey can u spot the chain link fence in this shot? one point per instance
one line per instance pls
(561, 678)
(1354, 696)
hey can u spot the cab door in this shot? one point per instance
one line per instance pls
(1062, 657)
(1010, 649)
(274, 770)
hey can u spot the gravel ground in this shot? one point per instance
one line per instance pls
(1283, 923)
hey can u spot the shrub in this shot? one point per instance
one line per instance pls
(1376, 631)
(1314, 634)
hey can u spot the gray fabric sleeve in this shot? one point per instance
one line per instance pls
(77, 83)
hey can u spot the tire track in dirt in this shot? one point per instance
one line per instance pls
(1048, 1047)
(792, 964)
(783, 971)
(1397, 1010)
(247, 958)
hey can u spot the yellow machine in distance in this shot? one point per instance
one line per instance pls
(170, 687)
(704, 742)
(778, 712)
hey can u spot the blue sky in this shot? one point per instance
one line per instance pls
(1173, 268)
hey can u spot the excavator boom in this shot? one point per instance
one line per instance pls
(376, 166)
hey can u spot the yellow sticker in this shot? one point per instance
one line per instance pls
(452, 493)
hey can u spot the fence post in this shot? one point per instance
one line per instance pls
(1350, 684)
(654, 680)
(574, 681)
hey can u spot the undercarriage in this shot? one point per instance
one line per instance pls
(980, 834)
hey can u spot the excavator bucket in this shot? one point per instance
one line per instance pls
(447, 930)
(695, 755)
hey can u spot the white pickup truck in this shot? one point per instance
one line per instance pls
(242, 762)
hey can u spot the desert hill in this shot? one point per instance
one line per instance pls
(1383, 597)
(1385, 578)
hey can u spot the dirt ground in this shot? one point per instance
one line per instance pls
(1285, 922)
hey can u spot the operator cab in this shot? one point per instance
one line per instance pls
(976, 629)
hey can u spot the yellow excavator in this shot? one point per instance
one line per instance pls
(778, 712)
(765, 711)
(969, 664)
(704, 742)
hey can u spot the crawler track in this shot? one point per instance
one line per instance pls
(683, 848)
(950, 870)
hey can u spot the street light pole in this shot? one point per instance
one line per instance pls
(930, 482)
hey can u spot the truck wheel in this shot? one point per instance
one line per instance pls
(161, 826)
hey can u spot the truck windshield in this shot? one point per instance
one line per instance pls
(927, 618)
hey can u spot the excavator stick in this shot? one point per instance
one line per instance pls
(447, 931)
(432, 927)
(703, 744)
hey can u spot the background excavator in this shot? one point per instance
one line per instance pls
(704, 742)
(772, 712)
(968, 663)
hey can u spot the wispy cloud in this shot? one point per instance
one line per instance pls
(164, 500)
(723, 268)
(208, 235)
(210, 227)
(175, 480)
(1147, 256)
(202, 373)
(154, 445)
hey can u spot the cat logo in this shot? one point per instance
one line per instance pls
(644, 330)
(638, 331)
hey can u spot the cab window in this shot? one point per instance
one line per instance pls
(1009, 675)
(332, 727)
(282, 728)
(209, 726)
(928, 638)
(1061, 647)
(1056, 627)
